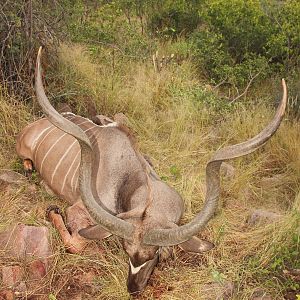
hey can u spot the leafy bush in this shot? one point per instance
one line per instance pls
(24, 26)
(104, 25)
(173, 22)
(240, 39)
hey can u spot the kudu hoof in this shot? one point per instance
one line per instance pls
(53, 208)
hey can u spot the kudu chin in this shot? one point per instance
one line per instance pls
(113, 189)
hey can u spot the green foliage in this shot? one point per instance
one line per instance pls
(24, 26)
(175, 171)
(173, 22)
(283, 44)
(242, 23)
(201, 97)
(104, 25)
(217, 276)
(286, 256)
(51, 297)
(240, 39)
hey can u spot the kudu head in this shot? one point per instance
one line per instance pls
(144, 231)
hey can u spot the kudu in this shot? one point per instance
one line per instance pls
(99, 170)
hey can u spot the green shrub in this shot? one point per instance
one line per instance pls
(105, 25)
(240, 39)
(173, 22)
(24, 26)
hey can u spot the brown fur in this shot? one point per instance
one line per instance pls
(127, 189)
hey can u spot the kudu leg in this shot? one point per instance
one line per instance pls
(76, 219)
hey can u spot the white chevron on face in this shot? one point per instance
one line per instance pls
(134, 269)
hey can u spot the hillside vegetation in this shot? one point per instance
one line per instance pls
(220, 87)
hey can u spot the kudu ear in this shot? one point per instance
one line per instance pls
(94, 232)
(196, 245)
(101, 120)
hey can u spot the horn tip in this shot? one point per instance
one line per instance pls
(39, 53)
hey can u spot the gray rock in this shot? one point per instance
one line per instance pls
(227, 170)
(274, 181)
(260, 294)
(259, 216)
(11, 177)
(218, 291)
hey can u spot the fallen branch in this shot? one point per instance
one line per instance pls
(246, 89)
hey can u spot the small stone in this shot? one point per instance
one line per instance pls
(37, 270)
(260, 294)
(20, 288)
(7, 295)
(274, 181)
(12, 177)
(11, 181)
(262, 216)
(11, 275)
(218, 291)
(227, 170)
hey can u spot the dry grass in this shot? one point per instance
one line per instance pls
(180, 134)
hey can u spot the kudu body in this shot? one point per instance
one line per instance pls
(99, 170)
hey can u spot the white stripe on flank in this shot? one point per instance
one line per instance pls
(68, 113)
(113, 124)
(27, 127)
(49, 150)
(86, 121)
(90, 128)
(70, 168)
(73, 187)
(61, 159)
(135, 270)
(76, 183)
(42, 132)
(37, 149)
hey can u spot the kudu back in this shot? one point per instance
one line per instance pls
(99, 168)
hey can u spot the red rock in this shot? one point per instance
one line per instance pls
(11, 275)
(7, 295)
(26, 241)
(37, 270)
